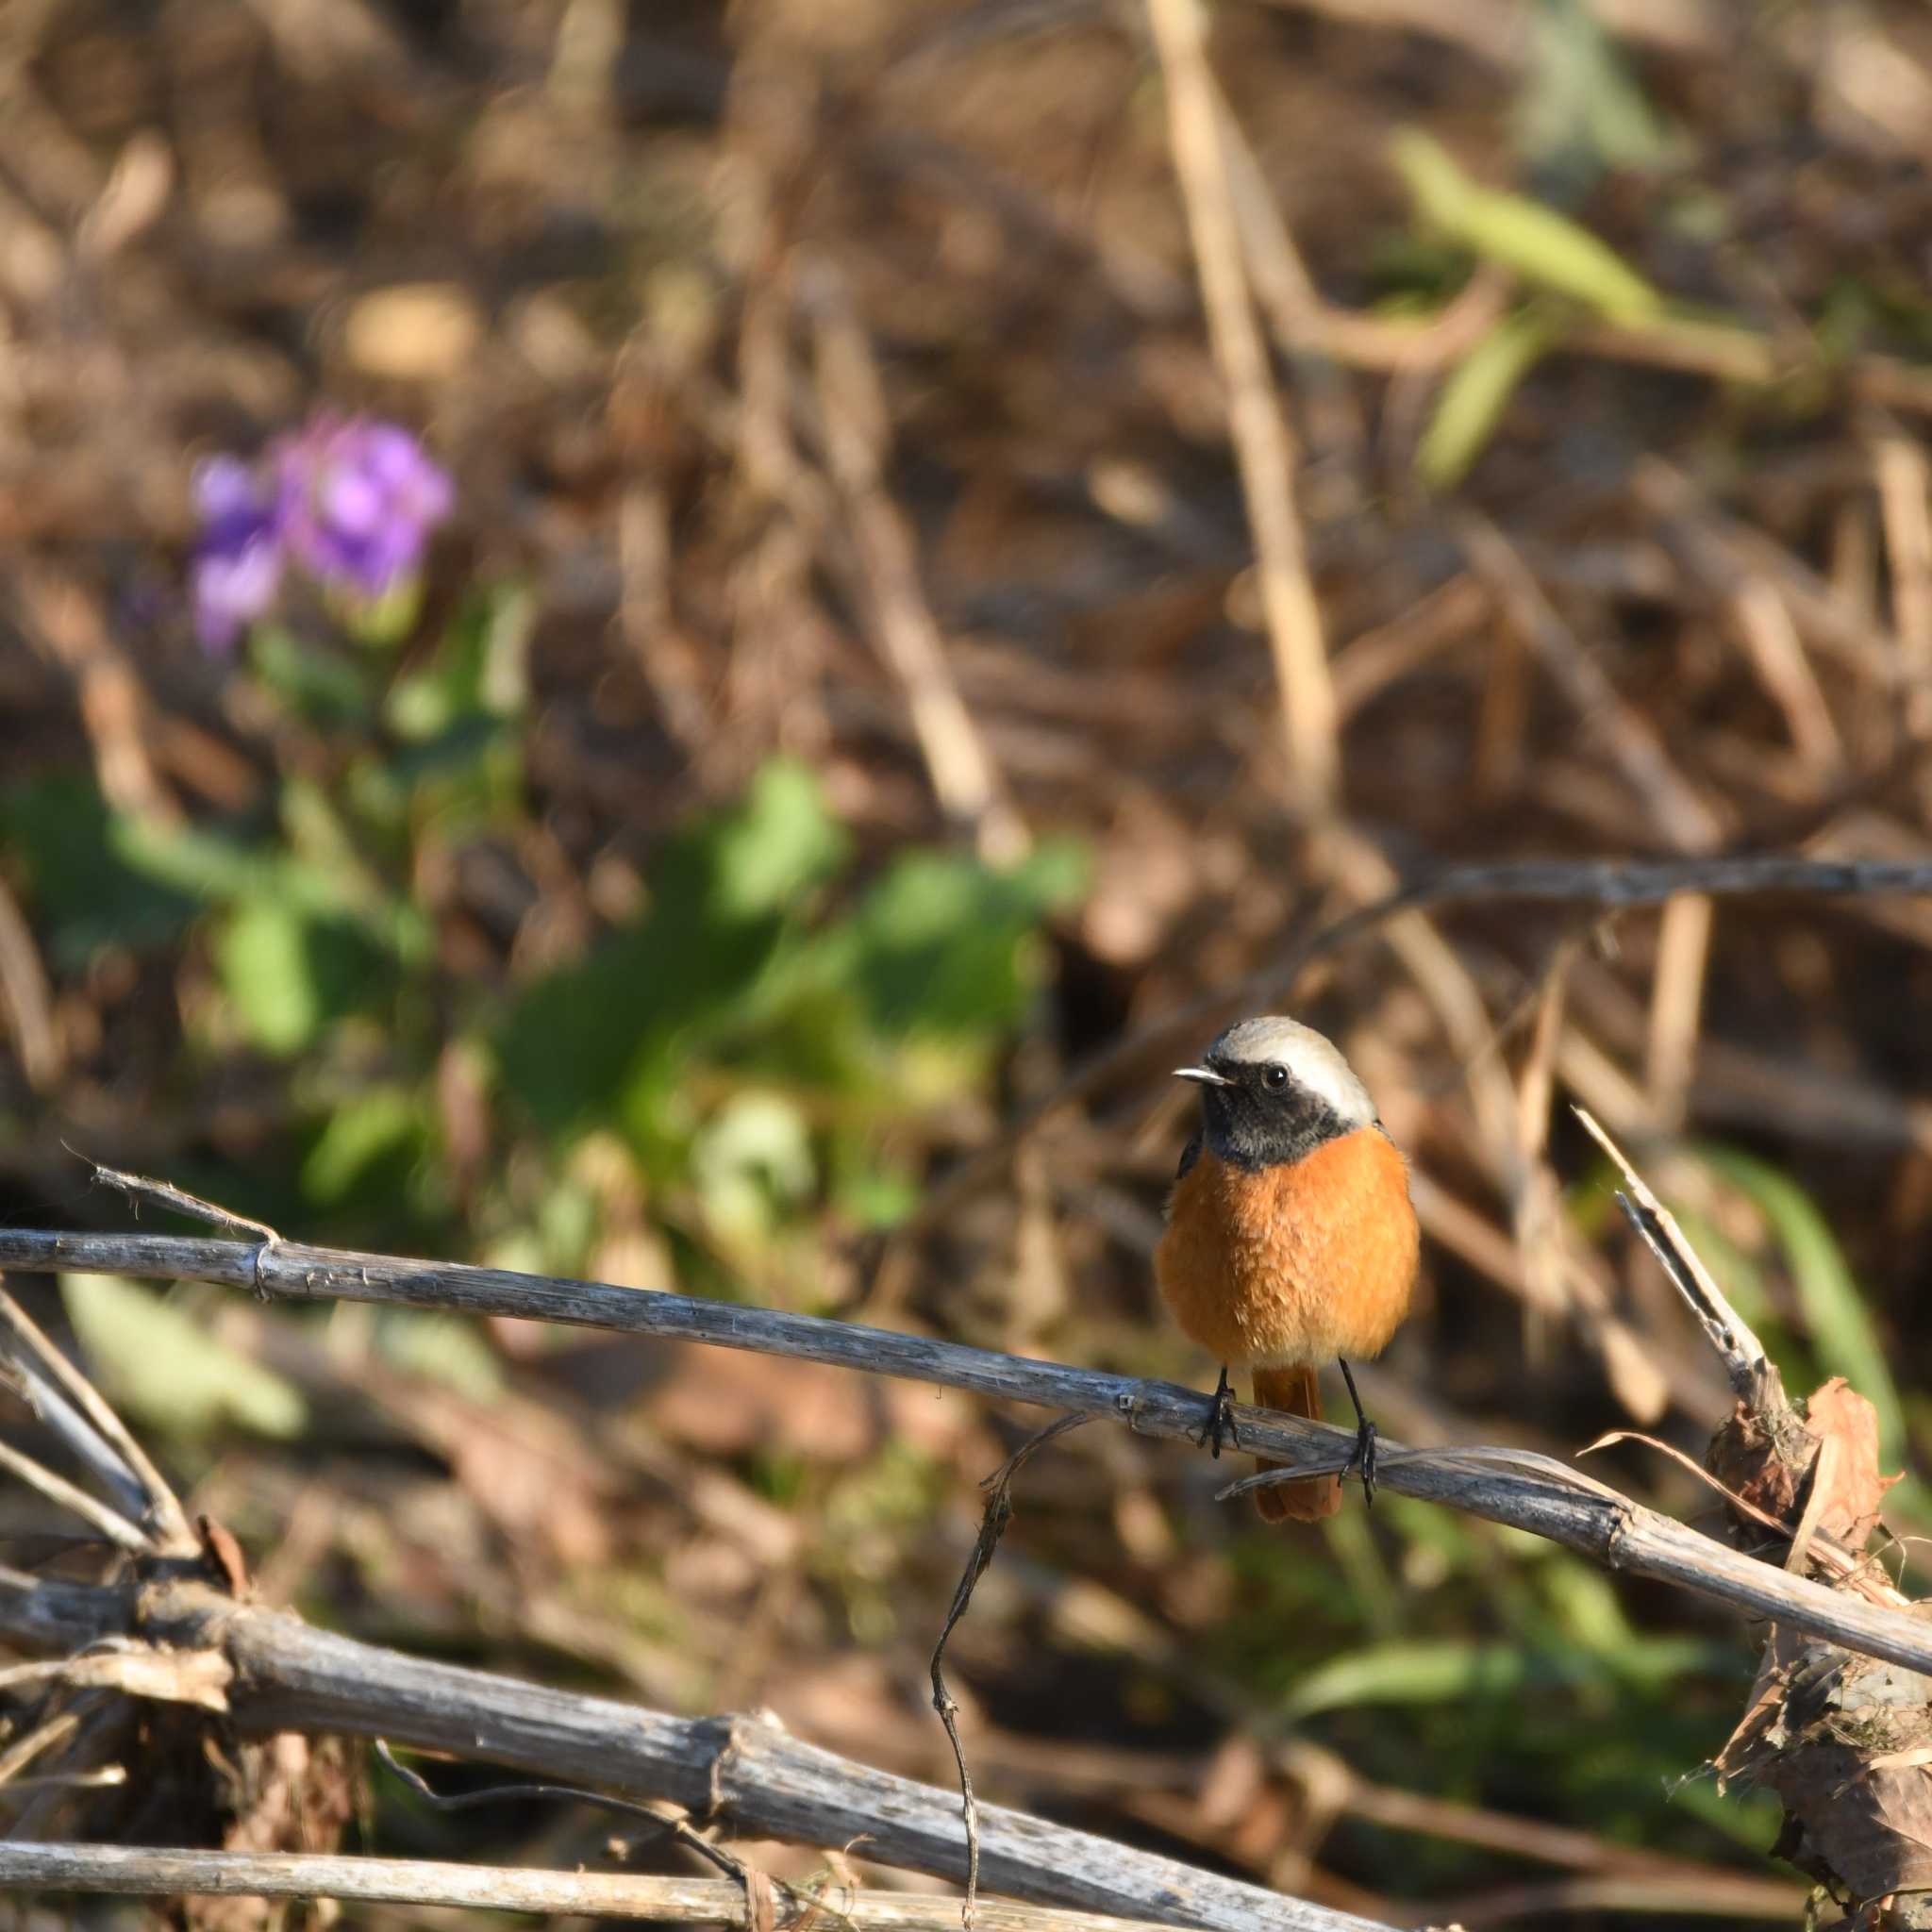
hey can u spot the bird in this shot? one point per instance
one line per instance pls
(1290, 1239)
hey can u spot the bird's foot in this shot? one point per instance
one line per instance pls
(1219, 1430)
(1361, 1460)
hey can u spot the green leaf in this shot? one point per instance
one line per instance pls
(83, 891)
(1456, 1671)
(877, 1198)
(610, 1032)
(1535, 241)
(262, 957)
(581, 1039)
(382, 621)
(477, 673)
(752, 1164)
(164, 1368)
(1444, 1671)
(310, 680)
(938, 945)
(216, 867)
(290, 973)
(1473, 398)
(1582, 108)
(760, 859)
(446, 1349)
(378, 1125)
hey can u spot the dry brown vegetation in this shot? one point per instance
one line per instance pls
(1061, 453)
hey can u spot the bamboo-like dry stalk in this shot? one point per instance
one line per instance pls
(750, 1778)
(1513, 1486)
(135, 1871)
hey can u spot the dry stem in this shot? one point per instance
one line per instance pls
(140, 1872)
(747, 1776)
(1264, 449)
(1531, 1493)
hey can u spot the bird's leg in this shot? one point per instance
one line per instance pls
(1219, 1427)
(1362, 1457)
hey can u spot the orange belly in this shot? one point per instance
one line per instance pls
(1294, 1264)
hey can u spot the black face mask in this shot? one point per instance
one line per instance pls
(1250, 1124)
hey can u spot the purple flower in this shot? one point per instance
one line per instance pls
(358, 499)
(237, 567)
(351, 503)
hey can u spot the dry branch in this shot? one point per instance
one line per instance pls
(1264, 449)
(1733, 1339)
(993, 1520)
(1614, 885)
(69, 1406)
(1524, 1490)
(747, 1776)
(134, 1873)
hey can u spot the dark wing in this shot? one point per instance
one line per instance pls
(1189, 1154)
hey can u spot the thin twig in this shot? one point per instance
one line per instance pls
(26, 1000)
(1263, 446)
(139, 1872)
(1609, 883)
(64, 624)
(679, 1828)
(1570, 1901)
(992, 1527)
(1690, 1466)
(164, 1513)
(76, 1501)
(1905, 480)
(1471, 1824)
(105, 1778)
(1777, 654)
(140, 1186)
(1847, 1568)
(37, 1742)
(854, 421)
(1682, 815)
(1729, 1334)
(1534, 1493)
(1676, 1003)
(71, 1430)
(1726, 554)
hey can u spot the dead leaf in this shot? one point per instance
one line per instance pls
(1853, 1491)
(1843, 1740)
(171, 1677)
(1742, 1456)
(223, 1554)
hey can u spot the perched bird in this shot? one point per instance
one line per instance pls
(1290, 1239)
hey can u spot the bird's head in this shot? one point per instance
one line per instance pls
(1274, 1091)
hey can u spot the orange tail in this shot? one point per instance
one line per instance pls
(1299, 1393)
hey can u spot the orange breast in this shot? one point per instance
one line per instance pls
(1296, 1263)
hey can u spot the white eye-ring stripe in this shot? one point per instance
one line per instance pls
(1315, 1062)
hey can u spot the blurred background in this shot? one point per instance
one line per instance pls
(797, 682)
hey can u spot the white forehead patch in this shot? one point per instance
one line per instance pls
(1312, 1060)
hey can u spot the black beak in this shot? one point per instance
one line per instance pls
(1206, 1076)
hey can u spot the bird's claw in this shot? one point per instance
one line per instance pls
(1361, 1460)
(1219, 1430)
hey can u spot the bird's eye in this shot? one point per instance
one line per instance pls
(1276, 1077)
